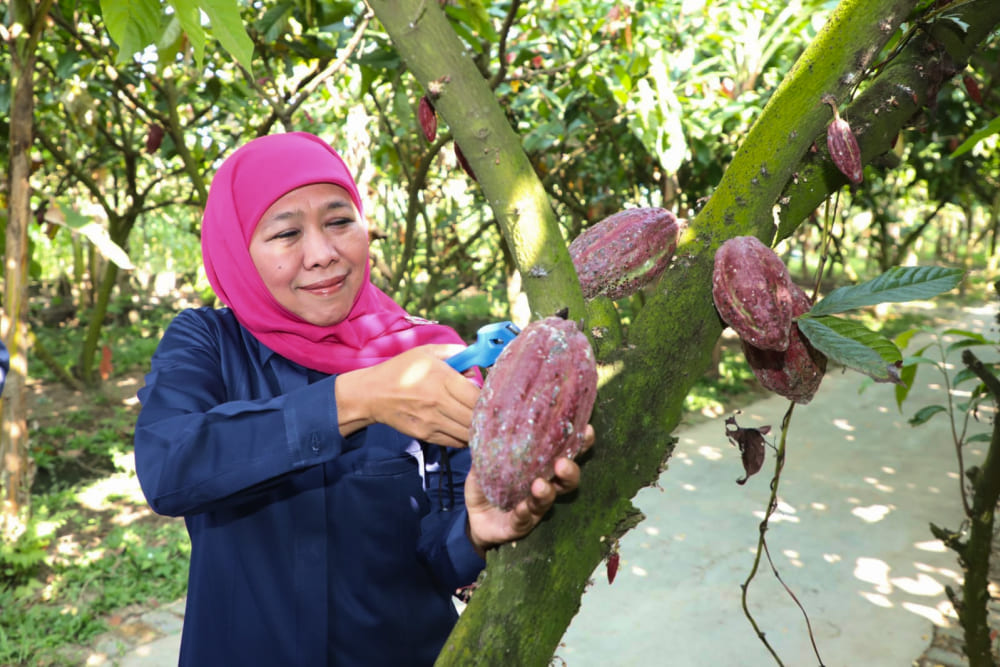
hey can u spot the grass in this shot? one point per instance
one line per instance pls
(91, 545)
(89, 550)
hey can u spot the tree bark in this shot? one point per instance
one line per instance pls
(15, 470)
(973, 610)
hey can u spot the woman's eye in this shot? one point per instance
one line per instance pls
(339, 222)
(287, 234)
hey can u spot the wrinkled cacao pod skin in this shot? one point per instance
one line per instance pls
(625, 252)
(751, 288)
(534, 407)
(796, 372)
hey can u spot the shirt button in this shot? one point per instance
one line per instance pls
(314, 441)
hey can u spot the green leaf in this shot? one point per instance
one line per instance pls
(655, 117)
(963, 375)
(967, 334)
(275, 21)
(189, 15)
(991, 128)
(903, 339)
(924, 414)
(94, 232)
(852, 345)
(900, 283)
(962, 344)
(132, 24)
(907, 375)
(979, 437)
(170, 42)
(228, 28)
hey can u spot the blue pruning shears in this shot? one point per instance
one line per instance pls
(490, 342)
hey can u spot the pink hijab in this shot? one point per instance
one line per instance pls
(248, 182)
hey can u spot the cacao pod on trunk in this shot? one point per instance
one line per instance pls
(843, 145)
(796, 372)
(751, 288)
(625, 252)
(427, 118)
(534, 408)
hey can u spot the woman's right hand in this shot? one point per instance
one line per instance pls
(415, 392)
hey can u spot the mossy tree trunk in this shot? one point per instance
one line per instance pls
(531, 590)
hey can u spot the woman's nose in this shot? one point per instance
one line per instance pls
(318, 249)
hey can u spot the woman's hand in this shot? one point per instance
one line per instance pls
(415, 392)
(490, 526)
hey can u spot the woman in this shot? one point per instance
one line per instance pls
(312, 436)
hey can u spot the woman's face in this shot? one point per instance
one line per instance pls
(311, 249)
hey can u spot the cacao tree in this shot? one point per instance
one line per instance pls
(637, 407)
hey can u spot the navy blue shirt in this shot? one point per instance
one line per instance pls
(307, 548)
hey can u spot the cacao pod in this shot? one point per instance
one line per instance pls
(154, 137)
(533, 409)
(796, 372)
(464, 164)
(751, 288)
(427, 118)
(843, 146)
(612, 565)
(625, 251)
(973, 89)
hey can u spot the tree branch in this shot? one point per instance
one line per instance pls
(436, 57)
(902, 88)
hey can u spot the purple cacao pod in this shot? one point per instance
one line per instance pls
(427, 118)
(752, 291)
(796, 372)
(534, 408)
(843, 145)
(624, 252)
(154, 137)
(844, 150)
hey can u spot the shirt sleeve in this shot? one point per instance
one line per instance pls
(196, 449)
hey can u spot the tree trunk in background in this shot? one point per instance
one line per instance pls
(15, 472)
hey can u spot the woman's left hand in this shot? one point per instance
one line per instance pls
(490, 526)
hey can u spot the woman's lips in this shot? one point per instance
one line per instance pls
(325, 285)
